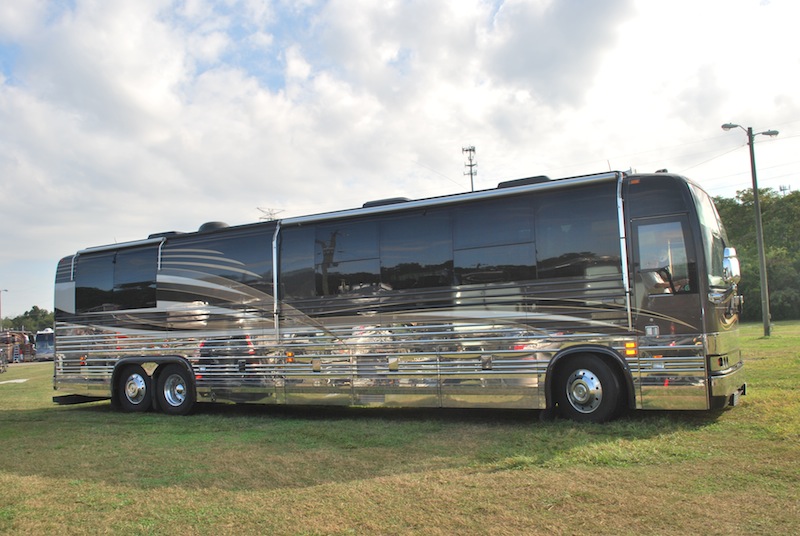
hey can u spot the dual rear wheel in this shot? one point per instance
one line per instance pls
(173, 391)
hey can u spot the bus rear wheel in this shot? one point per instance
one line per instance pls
(175, 390)
(588, 390)
(134, 390)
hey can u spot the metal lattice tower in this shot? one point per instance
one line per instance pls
(471, 165)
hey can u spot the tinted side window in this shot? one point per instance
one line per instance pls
(297, 263)
(505, 221)
(417, 251)
(94, 282)
(135, 278)
(115, 280)
(496, 264)
(346, 258)
(493, 242)
(577, 231)
(206, 266)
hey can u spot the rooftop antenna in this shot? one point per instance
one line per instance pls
(471, 165)
(270, 214)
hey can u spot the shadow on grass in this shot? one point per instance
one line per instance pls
(514, 417)
(475, 416)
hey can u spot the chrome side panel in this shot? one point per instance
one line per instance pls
(418, 359)
(672, 373)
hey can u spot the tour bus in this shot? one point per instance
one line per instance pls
(45, 340)
(583, 297)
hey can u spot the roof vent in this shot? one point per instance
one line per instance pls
(524, 182)
(212, 226)
(165, 234)
(382, 202)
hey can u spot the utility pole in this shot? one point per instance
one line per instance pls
(1, 307)
(471, 165)
(762, 257)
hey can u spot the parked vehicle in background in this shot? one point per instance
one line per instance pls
(18, 346)
(588, 295)
(45, 345)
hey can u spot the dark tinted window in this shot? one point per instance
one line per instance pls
(205, 266)
(417, 251)
(577, 230)
(297, 262)
(346, 258)
(506, 221)
(651, 195)
(115, 280)
(350, 277)
(496, 264)
(493, 242)
(94, 282)
(135, 278)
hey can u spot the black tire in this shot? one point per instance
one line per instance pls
(176, 395)
(587, 389)
(134, 390)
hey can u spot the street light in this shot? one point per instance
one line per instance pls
(762, 257)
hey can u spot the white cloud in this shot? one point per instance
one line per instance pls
(119, 119)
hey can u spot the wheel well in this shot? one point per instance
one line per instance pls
(152, 367)
(608, 356)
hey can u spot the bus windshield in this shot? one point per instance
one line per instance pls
(45, 341)
(714, 237)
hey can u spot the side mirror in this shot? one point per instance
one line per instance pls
(731, 272)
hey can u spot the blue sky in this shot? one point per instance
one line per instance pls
(121, 119)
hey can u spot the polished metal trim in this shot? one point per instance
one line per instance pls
(122, 245)
(623, 247)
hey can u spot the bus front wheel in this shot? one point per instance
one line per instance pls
(134, 390)
(175, 390)
(587, 390)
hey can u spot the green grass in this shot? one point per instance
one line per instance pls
(267, 470)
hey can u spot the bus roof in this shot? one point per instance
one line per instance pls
(506, 188)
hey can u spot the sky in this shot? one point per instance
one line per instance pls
(126, 118)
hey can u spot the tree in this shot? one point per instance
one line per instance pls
(34, 320)
(780, 217)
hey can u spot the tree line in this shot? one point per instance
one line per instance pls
(34, 320)
(780, 216)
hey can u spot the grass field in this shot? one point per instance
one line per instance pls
(261, 470)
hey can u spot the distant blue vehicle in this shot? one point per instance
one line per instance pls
(45, 345)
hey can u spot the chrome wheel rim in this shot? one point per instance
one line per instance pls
(135, 389)
(175, 390)
(584, 391)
